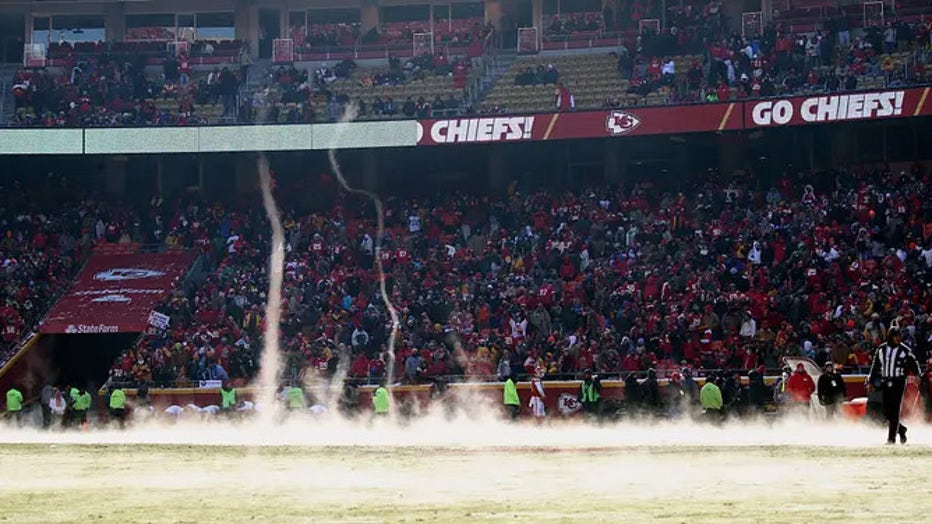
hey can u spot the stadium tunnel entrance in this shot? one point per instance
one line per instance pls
(65, 360)
(85, 360)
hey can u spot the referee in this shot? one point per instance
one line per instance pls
(891, 363)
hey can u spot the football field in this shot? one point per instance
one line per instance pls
(79, 481)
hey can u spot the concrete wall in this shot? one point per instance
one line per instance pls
(211, 139)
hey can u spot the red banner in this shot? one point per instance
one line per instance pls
(709, 118)
(116, 293)
(825, 109)
(586, 124)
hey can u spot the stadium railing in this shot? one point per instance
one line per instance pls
(605, 39)
(486, 66)
(371, 51)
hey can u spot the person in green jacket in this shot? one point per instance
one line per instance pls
(590, 393)
(710, 397)
(14, 405)
(510, 398)
(295, 398)
(380, 400)
(227, 399)
(82, 403)
(117, 405)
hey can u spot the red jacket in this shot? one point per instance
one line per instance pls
(800, 386)
(565, 100)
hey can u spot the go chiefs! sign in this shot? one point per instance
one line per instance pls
(835, 108)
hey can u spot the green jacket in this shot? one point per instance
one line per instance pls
(82, 402)
(380, 400)
(588, 393)
(227, 398)
(710, 396)
(295, 398)
(511, 394)
(14, 400)
(118, 399)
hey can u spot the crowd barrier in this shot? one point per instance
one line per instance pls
(562, 395)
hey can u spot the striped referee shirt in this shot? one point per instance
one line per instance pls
(893, 362)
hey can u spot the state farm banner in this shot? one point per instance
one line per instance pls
(116, 293)
(827, 108)
(584, 124)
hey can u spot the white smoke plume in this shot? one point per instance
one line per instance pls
(270, 364)
(342, 126)
(483, 429)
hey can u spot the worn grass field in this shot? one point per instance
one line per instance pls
(142, 483)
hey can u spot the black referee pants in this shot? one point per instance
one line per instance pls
(893, 390)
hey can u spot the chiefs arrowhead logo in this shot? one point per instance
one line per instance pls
(619, 122)
(126, 273)
(568, 404)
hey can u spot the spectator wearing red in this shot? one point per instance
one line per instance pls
(460, 74)
(800, 385)
(723, 92)
(184, 69)
(653, 70)
(565, 100)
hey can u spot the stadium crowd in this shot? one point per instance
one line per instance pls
(321, 94)
(697, 57)
(611, 278)
(777, 62)
(114, 90)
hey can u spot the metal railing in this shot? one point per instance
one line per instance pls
(369, 51)
(488, 68)
(614, 38)
(4, 90)
(7, 103)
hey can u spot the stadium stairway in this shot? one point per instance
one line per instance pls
(6, 92)
(257, 74)
(501, 63)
